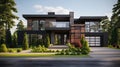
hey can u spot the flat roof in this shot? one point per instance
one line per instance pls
(93, 17)
(44, 15)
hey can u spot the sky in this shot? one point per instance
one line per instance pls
(79, 7)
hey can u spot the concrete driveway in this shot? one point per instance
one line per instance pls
(104, 52)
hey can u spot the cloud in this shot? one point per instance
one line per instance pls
(45, 9)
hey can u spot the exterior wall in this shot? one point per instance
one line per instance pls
(29, 24)
(76, 30)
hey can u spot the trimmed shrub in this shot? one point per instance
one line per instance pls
(25, 42)
(19, 50)
(3, 48)
(85, 47)
(40, 49)
(11, 50)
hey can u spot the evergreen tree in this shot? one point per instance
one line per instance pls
(8, 38)
(15, 44)
(85, 47)
(7, 10)
(47, 41)
(25, 42)
(20, 26)
(115, 24)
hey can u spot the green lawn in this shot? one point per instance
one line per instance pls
(38, 55)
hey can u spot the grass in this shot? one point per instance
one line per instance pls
(40, 55)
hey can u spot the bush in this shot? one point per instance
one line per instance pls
(70, 51)
(11, 50)
(40, 49)
(3, 48)
(25, 42)
(85, 47)
(19, 50)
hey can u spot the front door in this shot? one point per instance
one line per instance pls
(60, 39)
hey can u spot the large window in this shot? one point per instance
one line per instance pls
(92, 26)
(59, 24)
(35, 25)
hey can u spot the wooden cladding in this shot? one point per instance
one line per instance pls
(76, 32)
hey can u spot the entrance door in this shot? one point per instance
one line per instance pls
(93, 40)
(60, 39)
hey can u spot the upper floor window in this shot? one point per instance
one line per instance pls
(60, 24)
(35, 24)
(92, 26)
(41, 25)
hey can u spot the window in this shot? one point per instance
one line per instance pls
(41, 25)
(35, 25)
(92, 26)
(59, 24)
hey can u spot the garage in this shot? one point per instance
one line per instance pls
(93, 40)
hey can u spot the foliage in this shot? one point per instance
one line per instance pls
(14, 50)
(3, 48)
(20, 26)
(47, 41)
(14, 40)
(39, 49)
(105, 23)
(7, 10)
(70, 51)
(8, 38)
(25, 42)
(19, 50)
(2, 34)
(85, 47)
(115, 23)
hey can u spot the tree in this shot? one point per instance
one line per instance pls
(20, 26)
(15, 43)
(25, 42)
(85, 47)
(8, 38)
(47, 41)
(115, 24)
(105, 23)
(7, 8)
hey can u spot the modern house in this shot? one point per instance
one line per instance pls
(64, 27)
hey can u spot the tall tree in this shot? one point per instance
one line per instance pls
(8, 38)
(14, 39)
(105, 23)
(25, 42)
(7, 10)
(20, 26)
(115, 23)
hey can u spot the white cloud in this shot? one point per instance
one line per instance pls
(57, 10)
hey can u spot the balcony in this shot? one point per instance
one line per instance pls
(57, 26)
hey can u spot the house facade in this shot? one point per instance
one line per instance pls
(62, 28)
